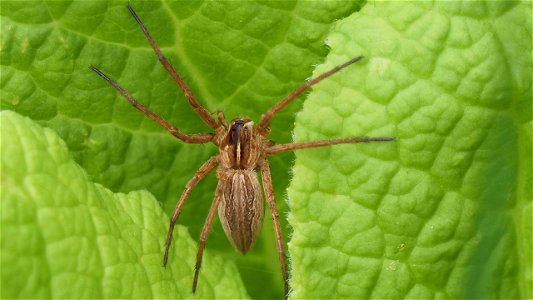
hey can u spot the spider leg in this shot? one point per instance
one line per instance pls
(199, 175)
(203, 238)
(222, 119)
(266, 176)
(269, 114)
(322, 143)
(195, 138)
(199, 109)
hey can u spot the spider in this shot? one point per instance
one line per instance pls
(243, 151)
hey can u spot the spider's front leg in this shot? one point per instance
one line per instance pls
(199, 109)
(264, 122)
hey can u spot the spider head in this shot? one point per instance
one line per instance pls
(240, 130)
(240, 148)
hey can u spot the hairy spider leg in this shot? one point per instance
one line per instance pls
(322, 143)
(199, 109)
(198, 176)
(266, 177)
(195, 138)
(263, 123)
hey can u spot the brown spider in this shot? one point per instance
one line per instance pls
(243, 148)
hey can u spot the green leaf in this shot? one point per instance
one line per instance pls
(238, 56)
(445, 210)
(66, 237)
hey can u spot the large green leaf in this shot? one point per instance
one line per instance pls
(445, 210)
(239, 57)
(66, 237)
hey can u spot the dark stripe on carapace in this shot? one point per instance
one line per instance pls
(236, 128)
(239, 138)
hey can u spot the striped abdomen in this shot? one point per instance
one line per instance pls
(240, 207)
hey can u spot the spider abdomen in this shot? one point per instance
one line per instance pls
(241, 206)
